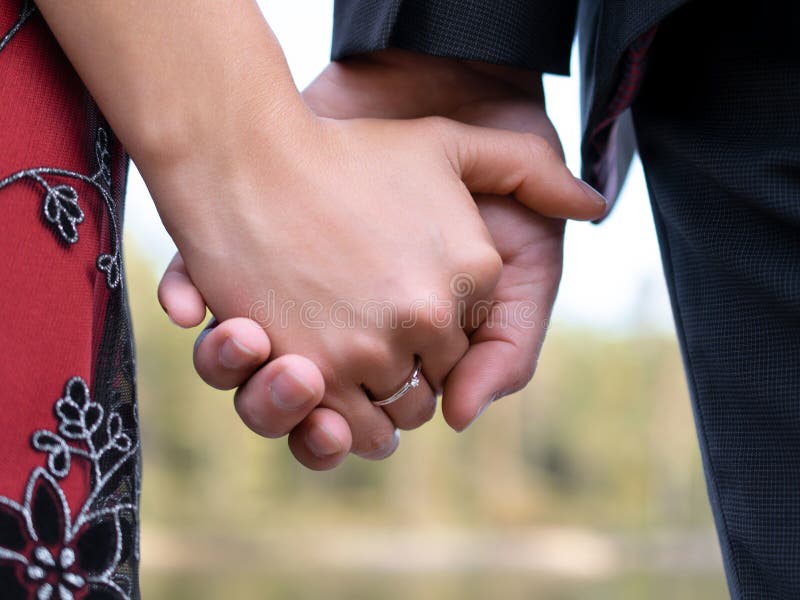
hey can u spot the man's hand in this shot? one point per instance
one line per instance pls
(283, 396)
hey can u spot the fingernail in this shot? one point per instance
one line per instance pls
(482, 410)
(289, 392)
(592, 193)
(234, 355)
(321, 442)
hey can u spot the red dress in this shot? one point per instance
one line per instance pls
(69, 445)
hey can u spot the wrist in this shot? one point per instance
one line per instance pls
(203, 183)
(394, 82)
(165, 138)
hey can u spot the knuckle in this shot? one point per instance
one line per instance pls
(434, 315)
(371, 354)
(491, 264)
(519, 376)
(484, 265)
(334, 376)
(440, 131)
(436, 124)
(539, 148)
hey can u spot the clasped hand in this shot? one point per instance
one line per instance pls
(373, 241)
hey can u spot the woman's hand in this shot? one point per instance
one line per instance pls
(271, 205)
(501, 358)
(351, 248)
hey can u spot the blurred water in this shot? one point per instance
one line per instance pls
(316, 585)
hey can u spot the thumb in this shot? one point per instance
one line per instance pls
(478, 380)
(523, 165)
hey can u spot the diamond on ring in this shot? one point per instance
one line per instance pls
(411, 383)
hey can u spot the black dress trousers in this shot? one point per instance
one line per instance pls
(717, 122)
(718, 128)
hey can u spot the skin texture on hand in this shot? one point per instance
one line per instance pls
(503, 351)
(261, 195)
(322, 248)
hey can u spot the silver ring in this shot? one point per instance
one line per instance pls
(411, 383)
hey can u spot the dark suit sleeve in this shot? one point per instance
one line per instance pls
(531, 34)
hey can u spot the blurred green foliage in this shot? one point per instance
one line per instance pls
(387, 586)
(602, 438)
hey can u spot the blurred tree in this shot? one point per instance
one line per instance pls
(602, 437)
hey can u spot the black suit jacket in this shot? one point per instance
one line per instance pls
(532, 34)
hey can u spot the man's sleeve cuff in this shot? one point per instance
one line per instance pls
(530, 34)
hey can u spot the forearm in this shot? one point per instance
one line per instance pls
(172, 76)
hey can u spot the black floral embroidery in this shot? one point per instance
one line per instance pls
(103, 157)
(109, 264)
(46, 552)
(43, 549)
(61, 207)
(61, 203)
(26, 9)
(62, 210)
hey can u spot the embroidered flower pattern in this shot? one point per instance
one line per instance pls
(45, 567)
(103, 158)
(43, 550)
(62, 210)
(61, 203)
(109, 264)
(78, 417)
(58, 563)
(46, 552)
